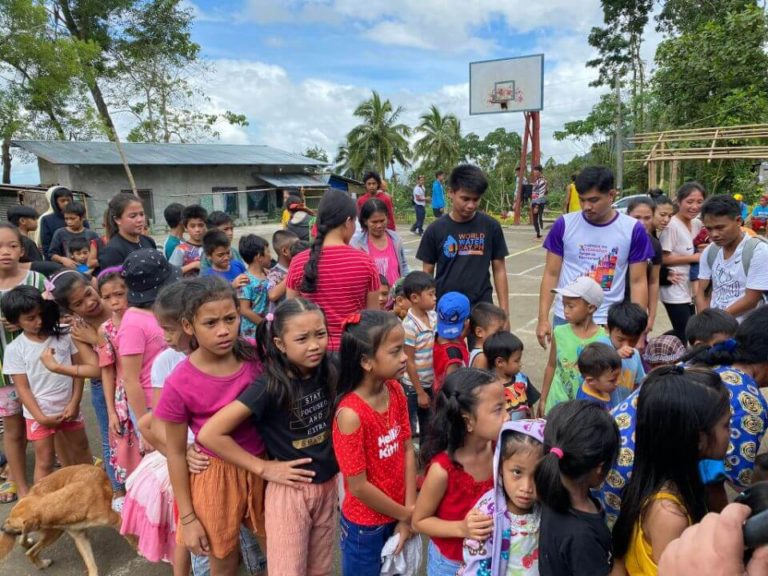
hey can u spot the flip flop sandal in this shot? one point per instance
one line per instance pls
(7, 489)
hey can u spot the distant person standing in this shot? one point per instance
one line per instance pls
(438, 194)
(538, 199)
(419, 205)
(374, 188)
(572, 203)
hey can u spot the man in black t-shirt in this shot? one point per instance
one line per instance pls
(460, 249)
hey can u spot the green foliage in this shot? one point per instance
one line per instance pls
(439, 145)
(316, 153)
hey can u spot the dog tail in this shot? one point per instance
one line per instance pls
(6, 544)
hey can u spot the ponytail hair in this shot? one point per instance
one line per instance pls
(456, 399)
(204, 289)
(362, 334)
(278, 368)
(579, 437)
(336, 207)
(748, 346)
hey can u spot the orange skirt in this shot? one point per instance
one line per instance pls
(225, 496)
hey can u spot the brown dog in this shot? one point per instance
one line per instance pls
(70, 500)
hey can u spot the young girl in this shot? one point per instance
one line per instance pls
(212, 504)
(139, 337)
(13, 274)
(469, 413)
(335, 276)
(643, 209)
(127, 225)
(254, 297)
(372, 441)
(513, 546)
(51, 401)
(665, 493)
(581, 441)
(291, 405)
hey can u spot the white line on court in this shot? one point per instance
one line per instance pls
(525, 271)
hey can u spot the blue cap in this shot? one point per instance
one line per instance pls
(452, 311)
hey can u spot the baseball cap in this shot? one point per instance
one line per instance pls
(585, 288)
(452, 311)
(146, 271)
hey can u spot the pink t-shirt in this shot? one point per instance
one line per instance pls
(139, 333)
(385, 260)
(192, 397)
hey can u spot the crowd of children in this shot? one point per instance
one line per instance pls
(257, 410)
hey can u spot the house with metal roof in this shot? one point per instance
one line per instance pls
(246, 181)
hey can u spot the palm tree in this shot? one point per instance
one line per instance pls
(379, 140)
(439, 144)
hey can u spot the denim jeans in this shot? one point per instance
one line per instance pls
(416, 414)
(254, 560)
(99, 404)
(421, 212)
(439, 565)
(361, 547)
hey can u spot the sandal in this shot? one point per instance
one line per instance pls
(8, 492)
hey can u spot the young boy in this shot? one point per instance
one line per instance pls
(626, 325)
(188, 253)
(383, 292)
(450, 351)
(25, 219)
(282, 242)
(79, 251)
(400, 303)
(709, 327)
(217, 249)
(581, 298)
(254, 296)
(173, 215)
(74, 218)
(222, 221)
(485, 320)
(419, 325)
(600, 367)
(504, 352)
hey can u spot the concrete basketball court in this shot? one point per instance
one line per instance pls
(115, 557)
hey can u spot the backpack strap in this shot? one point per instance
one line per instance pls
(749, 251)
(712, 251)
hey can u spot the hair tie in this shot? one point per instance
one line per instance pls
(729, 345)
(352, 320)
(557, 452)
(269, 317)
(110, 270)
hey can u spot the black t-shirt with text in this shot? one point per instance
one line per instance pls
(118, 249)
(302, 432)
(655, 261)
(462, 253)
(574, 544)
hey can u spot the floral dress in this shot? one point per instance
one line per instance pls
(126, 450)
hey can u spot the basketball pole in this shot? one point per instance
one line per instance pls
(532, 134)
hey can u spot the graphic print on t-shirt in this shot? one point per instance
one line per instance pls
(470, 244)
(599, 262)
(728, 287)
(311, 413)
(388, 443)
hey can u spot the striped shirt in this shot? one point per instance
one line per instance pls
(421, 337)
(345, 276)
(6, 337)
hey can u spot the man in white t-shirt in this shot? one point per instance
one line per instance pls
(598, 242)
(734, 264)
(419, 205)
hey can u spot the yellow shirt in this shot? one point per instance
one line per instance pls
(639, 558)
(574, 205)
(286, 216)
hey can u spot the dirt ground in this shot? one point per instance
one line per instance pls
(115, 557)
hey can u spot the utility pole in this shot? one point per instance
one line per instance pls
(618, 137)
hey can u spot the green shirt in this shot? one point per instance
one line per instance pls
(567, 380)
(170, 245)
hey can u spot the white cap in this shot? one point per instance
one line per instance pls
(585, 288)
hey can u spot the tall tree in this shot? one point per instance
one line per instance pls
(439, 145)
(380, 140)
(316, 153)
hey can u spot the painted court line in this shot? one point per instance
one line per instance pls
(519, 252)
(525, 271)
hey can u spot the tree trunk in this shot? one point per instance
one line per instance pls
(6, 146)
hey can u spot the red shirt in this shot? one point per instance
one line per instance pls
(384, 197)
(460, 496)
(377, 448)
(448, 354)
(345, 277)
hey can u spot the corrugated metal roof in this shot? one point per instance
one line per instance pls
(294, 180)
(105, 154)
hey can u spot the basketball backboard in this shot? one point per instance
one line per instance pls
(507, 85)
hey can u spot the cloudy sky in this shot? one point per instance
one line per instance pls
(298, 68)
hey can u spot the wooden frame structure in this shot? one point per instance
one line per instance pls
(669, 148)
